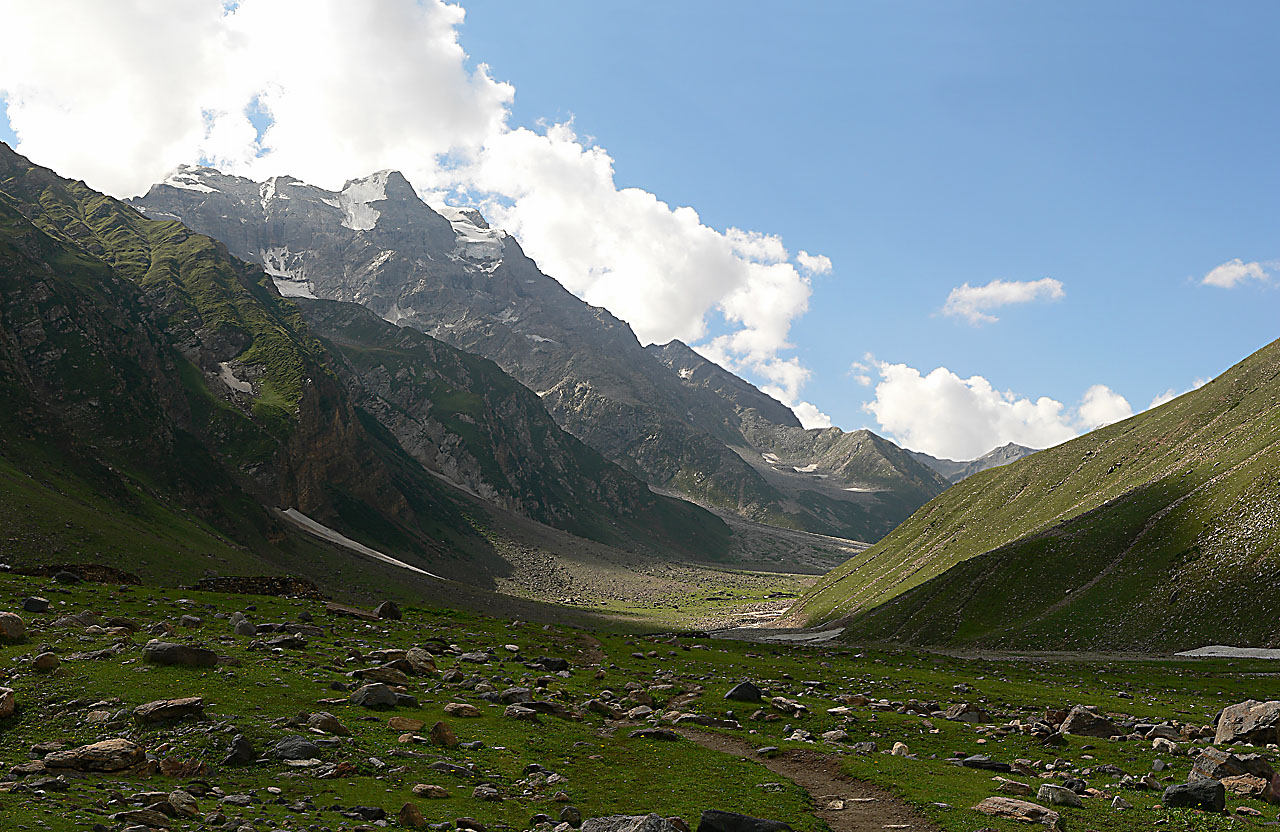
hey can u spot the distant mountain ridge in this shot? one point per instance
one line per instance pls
(448, 274)
(956, 471)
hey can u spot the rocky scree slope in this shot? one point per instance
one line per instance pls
(450, 275)
(164, 391)
(1160, 532)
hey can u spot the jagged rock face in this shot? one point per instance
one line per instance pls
(446, 273)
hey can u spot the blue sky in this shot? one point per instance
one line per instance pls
(1122, 149)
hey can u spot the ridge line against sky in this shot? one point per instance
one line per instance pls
(1027, 199)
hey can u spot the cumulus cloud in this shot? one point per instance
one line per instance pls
(1234, 272)
(951, 417)
(1171, 394)
(345, 89)
(974, 302)
(814, 263)
(810, 416)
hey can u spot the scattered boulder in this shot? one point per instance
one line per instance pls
(1246, 785)
(12, 627)
(388, 609)
(46, 662)
(374, 695)
(327, 722)
(1250, 722)
(967, 713)
(1019, 810)
(8, 702)
(654, 734)
(1085, 721)
(430, 791)
(241, 752)
(295, 747)
(169, 710)
(421, 661)
(1200, 794)
(411, 816)
(1215, 764)
(981, 761)
(552, 665)
(35, 604)
(1059, 796)
(181, 655)
(462, 710)
(442, 734)
(714, 820)
(628, 823)
(107, 755)
(405, 723)
(745, 692)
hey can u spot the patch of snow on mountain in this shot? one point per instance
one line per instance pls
(355, 199)
(382, 258)
(772, 459)
(395, 314)
(228, 377)
(476, 240)
(541, 340)
(187, 179)
(289, 275)
(808, 469)
(686, 373)
(266, 191)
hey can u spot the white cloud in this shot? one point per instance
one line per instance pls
(973, 302)
(810, 416)
(1233, 272)
(350, 88)
(950, 417)
(1102, 406)
(814, 263)
(1171, 394)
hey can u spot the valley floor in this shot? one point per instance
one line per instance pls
(497, 724)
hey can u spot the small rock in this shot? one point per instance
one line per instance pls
(12, 627)
(430, 791)
(46, 662)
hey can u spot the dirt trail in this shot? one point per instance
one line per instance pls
(868, 808)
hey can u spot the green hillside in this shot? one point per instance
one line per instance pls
(1157, 532)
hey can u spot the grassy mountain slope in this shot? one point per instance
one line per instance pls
(1157, 532)
(119, 336)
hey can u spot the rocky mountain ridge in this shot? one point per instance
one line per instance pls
(446, 273)
(162, 388)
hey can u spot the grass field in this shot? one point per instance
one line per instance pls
(604, 770)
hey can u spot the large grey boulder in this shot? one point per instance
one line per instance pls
(1202, 794)
(1251, 722)
(1085, 721)
(375, 695)
(744, 692)
(181, 655)
(294, 747)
